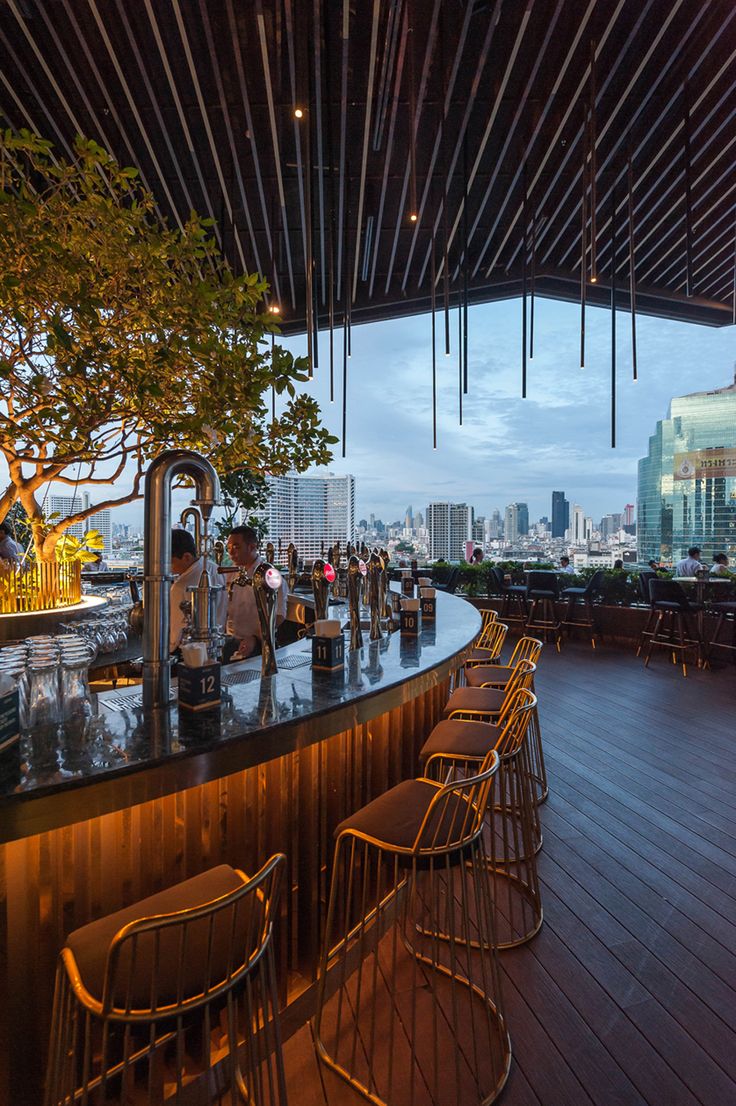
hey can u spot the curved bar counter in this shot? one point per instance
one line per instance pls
(93, 822)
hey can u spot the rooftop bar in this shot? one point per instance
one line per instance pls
(147, 799)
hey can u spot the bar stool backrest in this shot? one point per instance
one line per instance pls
(595, 583)
(668, 591)
(169, 964)
(456, 814)
(492, 637)
(521, 678)
(520, 710)
(645, 576)
(543, 580)
(526, 649)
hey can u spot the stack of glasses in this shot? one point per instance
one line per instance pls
(52, 677)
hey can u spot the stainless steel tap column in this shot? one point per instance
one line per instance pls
(157, 559)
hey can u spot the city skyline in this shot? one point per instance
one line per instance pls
(508, 449)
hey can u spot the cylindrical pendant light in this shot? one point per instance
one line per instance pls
(613, 317)
(532, 285)
(583, 237)
(688, 197)
(523, 285)
(592, 133)
(432, 297)
(632, 267)
(465, 263)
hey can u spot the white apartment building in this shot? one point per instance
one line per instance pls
(576, 534)
(313, 512)
(65, 505)
(450, 525)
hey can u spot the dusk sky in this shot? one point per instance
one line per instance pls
(508, 449)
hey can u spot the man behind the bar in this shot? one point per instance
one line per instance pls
(242, 616)
(188, 569)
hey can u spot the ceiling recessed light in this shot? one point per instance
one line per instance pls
(413, 217)
(298, 113)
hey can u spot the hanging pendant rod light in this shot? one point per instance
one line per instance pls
(433, 295)
(346, 312)
(583, 236)
(613, 316)
(523, 283)
(532, 284)
(331, 227)
(465, 264)
(632, 264)
(443, 146)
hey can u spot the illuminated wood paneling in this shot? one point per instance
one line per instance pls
(53, 882)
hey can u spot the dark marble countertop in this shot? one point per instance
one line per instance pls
(123, 756)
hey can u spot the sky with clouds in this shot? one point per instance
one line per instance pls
(508, 448)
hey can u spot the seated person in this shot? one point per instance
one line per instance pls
(242, 616)
(655, 566)
(565, 566)
(97, 565)
(477, 557)
(720, 565)
(618, 564)
(8, 548)
(690, 565)
(188, 568)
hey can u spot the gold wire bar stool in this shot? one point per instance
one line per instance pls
(487, 649)
(493, 705)
(453, 750)
(409, 1006)
(175, 989)
(498, 676)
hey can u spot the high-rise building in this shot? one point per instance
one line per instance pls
(409, 518)
(450, 525)
(494, 526)
(418, 521)
(516, 522)
(576, 529)
(479, 530)
(629, 514)
(310, 511)
(687, 481)
(66, 505)
(560, 514)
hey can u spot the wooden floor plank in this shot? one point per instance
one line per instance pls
(626, 995)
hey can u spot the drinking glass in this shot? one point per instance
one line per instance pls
(44, 700)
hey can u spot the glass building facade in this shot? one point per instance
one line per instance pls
(687, 481)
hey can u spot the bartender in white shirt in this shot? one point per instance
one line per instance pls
(188, 568)
(242, 615)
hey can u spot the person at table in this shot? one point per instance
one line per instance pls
(720, 565)
(618, 565)
(690, 565)
(242, 615)
(477, 557)
(566, 567)
(97, 565)
(188, 569)
(8, 548)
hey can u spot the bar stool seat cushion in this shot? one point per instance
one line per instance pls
(459, 738)
(90, 943)
(488, 699)
(487, 674)
(670, 605)
(725, 606)
(395, 817)
(536, 593)
(515, 589)
(572, 591)
(487, 655)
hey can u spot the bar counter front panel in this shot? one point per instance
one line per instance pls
(93, 823)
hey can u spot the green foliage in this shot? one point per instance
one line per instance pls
(69, 548)
(241, 490)
(121, 336)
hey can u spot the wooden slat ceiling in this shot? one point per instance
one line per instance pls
(439, 108)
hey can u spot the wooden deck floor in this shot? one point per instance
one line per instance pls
(628, 993)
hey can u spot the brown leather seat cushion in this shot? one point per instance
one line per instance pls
(460, 739)
(395, 817)
(91, 942)
(489, 656)
(487, 674)
(474, 699)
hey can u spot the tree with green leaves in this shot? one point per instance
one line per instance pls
(121, 336)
